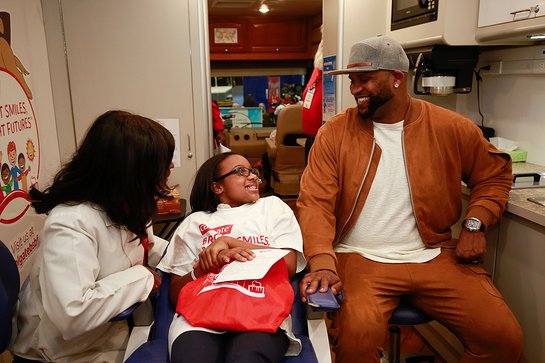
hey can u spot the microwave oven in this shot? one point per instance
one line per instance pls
(406, 13)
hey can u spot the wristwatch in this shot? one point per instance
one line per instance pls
(473, 224)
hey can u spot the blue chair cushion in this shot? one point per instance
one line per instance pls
(406, 314)
(5, 318)
(153, 351)
(125, 314)
(164, 311)
(9, 274)
(307, 354)
(156, 351)
(298, 310)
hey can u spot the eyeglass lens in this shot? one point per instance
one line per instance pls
(243, 171)
(240, 170)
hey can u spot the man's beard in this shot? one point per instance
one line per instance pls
(374, 103)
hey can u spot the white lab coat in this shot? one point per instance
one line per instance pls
(87, 271)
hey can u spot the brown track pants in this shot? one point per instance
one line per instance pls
(461, 297)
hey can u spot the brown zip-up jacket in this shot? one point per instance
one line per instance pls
(441, 149)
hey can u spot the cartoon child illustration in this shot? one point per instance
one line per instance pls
(6, 178)
(22, 178)
(12, 158)
(30, 153)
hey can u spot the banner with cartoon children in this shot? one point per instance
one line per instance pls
(19, 147)
(27, 126)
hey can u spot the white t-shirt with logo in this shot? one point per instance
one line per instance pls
(267, 222)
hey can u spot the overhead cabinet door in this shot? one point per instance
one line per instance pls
(492, 12)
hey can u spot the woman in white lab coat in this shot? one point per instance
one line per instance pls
(96, 244)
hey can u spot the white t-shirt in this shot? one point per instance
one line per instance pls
(386, 229)
(267, 222)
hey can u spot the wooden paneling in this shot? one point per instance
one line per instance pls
(274, 36)
(261, 38)
(219, 44)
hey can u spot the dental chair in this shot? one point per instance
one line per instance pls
(286, 156)
(155, 350)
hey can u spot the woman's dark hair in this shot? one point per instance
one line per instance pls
(202, 196)
(121, 166)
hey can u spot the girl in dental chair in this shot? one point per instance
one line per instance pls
(226, 194)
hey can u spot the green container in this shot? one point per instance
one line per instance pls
(518, 155)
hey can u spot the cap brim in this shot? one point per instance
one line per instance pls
(335, 72)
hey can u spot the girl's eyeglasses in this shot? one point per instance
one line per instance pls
(240, 170)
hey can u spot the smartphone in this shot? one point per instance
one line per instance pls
(323, 301)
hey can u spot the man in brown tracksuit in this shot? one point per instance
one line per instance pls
(381, 190)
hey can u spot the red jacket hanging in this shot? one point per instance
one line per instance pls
(312, 103)
(217, 122)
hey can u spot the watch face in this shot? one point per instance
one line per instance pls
(473, 224)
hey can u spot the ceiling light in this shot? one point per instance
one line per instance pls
(536, 36)
(264, 9)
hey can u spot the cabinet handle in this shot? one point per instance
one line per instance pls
(536, 177)
(189, 153)
(531, 10)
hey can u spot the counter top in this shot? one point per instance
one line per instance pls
(518, 203)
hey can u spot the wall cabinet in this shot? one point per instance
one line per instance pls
(254, 38)
(277, 36)
(227, 36)
(455, 25)
(508, 22)
(492, 12)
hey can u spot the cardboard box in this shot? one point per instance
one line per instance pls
(171, 206)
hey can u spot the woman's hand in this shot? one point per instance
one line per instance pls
(156, 280)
